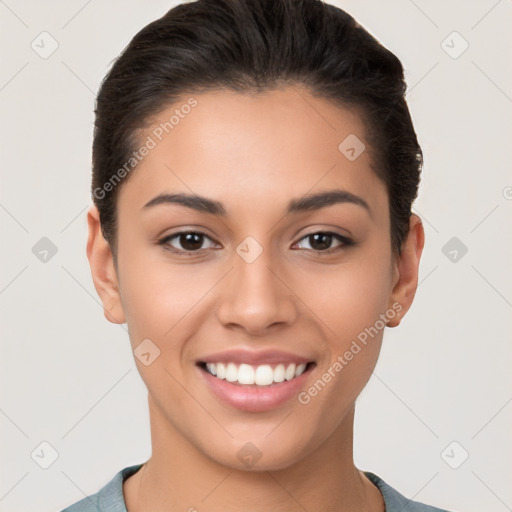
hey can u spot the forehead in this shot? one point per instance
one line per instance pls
(259, 149)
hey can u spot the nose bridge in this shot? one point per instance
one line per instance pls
(255, 297)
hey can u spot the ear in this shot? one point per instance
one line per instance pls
(406, 265)
(103, 271)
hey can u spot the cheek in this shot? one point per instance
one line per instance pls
(156, 294)
(349, 302)
(159, 301)
(350, 296)
(349, 305)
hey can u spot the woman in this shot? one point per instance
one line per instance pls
(254, 167)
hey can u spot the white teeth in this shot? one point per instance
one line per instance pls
(263, 375)
(245, 374)
(300, 369)
(279, 373)
(221, 370)
(290, 372)
(231, 372)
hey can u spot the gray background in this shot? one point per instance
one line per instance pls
(67, 375)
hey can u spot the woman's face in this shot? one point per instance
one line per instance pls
(255, 287)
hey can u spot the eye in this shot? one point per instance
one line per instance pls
(190, 241)
(321, 241)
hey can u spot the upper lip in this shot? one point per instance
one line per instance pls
(241, 356)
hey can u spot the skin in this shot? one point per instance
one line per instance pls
(253, 153)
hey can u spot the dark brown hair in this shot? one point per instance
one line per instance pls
(252, 46)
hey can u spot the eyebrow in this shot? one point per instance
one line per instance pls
(302, 204)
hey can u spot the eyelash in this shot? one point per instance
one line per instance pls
(346, 242)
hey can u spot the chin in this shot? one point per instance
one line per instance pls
(258, 454)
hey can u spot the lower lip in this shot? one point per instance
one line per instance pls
(252, 398)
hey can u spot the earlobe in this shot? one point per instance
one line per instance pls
(103, 270)
(405, 279)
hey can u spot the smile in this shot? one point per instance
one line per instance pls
(255, 387)
(261, 375)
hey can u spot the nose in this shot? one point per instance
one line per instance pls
(257, 297)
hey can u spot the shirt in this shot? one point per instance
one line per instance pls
(110, 497)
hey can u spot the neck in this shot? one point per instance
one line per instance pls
(178, 476)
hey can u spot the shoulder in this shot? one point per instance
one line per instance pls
(109, 498)
(398, 502)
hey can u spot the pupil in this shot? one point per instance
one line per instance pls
(191, 241)
(319, 236)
